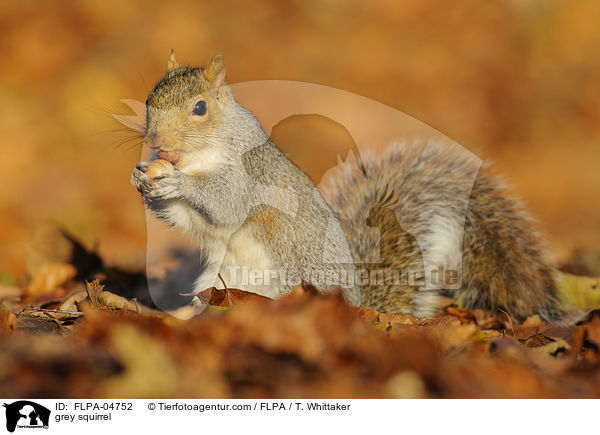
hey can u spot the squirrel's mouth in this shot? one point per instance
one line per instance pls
(171, 156)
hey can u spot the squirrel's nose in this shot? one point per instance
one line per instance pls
(153, 140)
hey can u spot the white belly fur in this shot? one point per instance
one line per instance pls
(246, 264)
(239, 257)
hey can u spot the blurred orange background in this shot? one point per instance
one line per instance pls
(516, 82)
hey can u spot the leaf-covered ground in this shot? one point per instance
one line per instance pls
(65, 334)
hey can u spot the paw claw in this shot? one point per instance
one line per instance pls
(142, 166)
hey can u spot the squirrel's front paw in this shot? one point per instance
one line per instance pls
(139, 179)
(167, 186)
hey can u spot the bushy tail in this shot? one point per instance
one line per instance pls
(399, 208)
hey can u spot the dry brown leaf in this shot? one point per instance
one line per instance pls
(98, 298)
(592, 329)
(524, 332)
(42, 320)
(228, 297)
(71, 303)
(534, 320)
(486, 319)
(558, 332)
(462, 314)
(369, 315)
(49, 277)
(8, 323)
(398, 319)
(36, 321)
(554, 348)
(450, 337)
(443, 321)
(586, 340)
(536, 340)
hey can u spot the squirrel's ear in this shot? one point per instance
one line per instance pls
(172, 62)
(215, 72)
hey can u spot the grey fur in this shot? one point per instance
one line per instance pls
(503, 262)
(253, 194)
(250, 192)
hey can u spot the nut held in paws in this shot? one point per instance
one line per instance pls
(158, 167)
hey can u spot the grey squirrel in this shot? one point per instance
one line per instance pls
(251, 209)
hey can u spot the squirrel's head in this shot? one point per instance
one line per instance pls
(189, 114)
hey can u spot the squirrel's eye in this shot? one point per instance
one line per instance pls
(199, 108)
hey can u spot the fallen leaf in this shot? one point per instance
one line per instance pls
(454, 336)
(462, 314)
(398, 319)
(577, 292)
(369, 315)
(534, 320)
(49, 277)
(228, 297)
(8, 323)
(554, 348)
(486, 319)
(536, 340)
